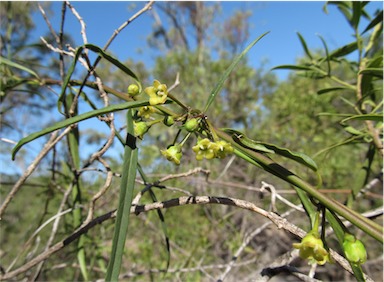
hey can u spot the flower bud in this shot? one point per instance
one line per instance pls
(354, 249)
(312, 248)
(133, 90)
(140, 128)
(192, 125)
(169, 121)
(173, 154)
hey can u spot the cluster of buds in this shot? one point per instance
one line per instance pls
(157, 95)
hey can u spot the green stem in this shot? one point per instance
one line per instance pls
(177, 101)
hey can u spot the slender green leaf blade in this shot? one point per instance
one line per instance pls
(73, 143)
(345, 50)
(356, 14)
(339, 229)
(71, 69)
(115, 62)
(326, 54)
(374, 117)
(104, 55)
(125, 202)
(76, 119)
(18, 66)
(378, 19)
(219, 85)
(295, 156)
(378, 72)
(293, 67)
(249, 143)
(331, 89)
(305, 47)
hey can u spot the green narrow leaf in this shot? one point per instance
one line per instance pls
(377, 72)
(61, 100)
(76, 119)
(345, 50)
(304, 44)
(362, 175)
(326, 54)
(292, 67)
(18, 66)
(73, 143)
(307, 204)
(234, 63)
(295, 156)
(331, 89)
(353, 131)
(378, 19)
(104, 55)
(356, 13)
(115, 62)
(125, 201)
(374, 117)
(339, 229)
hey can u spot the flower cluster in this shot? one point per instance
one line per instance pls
(157, 93)
(209, 150)
(193, 124)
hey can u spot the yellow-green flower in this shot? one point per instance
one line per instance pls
(222, 149)
(173, 154)
(146, 111)
(157, 93)
(312, 248)
(140, 128)
(354, 249)
(204, 149)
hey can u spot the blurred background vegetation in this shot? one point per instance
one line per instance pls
(286, 113)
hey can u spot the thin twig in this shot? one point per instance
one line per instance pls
(131, 274)
(37, 231)
(81, 21)
(31, 168)
(48, 23)
(100, 193)
(147, 7)
(244, 244)
(63, 52)
(55, 227)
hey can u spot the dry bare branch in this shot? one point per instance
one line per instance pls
(31, 168)
(280, 222)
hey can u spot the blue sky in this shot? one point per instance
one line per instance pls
(282, 18)
(280, 46)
